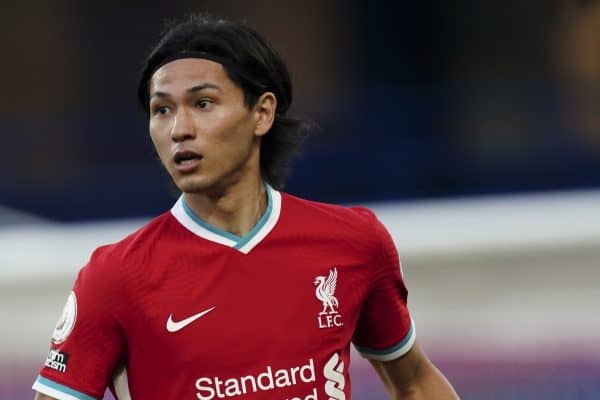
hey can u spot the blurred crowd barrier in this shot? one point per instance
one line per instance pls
(504, 292)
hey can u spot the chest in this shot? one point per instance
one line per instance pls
(200, 309)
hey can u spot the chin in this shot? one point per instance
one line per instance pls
(193, 184)
(203, 182)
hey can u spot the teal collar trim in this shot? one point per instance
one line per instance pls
(182, 212)
(260, 224)
(206, 225)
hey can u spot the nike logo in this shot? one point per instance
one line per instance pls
(173, 326)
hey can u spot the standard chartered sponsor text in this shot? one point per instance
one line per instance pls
(209, 388)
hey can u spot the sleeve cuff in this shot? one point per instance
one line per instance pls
(57, 390)
(393, 352)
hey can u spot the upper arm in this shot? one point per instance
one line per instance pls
(413, 376)
(39, 396)
(87, 344)
(385, 333)
(399, 375)
(384, 330)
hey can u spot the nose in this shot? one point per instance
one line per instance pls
(183, 126)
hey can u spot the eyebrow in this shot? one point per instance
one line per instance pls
(193, 89)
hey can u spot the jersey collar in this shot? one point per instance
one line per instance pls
(243, 244)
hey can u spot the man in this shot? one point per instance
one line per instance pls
(240, 290)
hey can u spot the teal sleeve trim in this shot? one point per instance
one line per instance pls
(407, 338)
(63, 388)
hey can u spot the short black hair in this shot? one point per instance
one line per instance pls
(253, 64)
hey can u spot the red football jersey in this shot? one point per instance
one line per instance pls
(182, 310)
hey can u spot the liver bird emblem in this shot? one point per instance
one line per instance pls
(326, 290)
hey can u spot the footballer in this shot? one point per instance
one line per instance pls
(240, 290)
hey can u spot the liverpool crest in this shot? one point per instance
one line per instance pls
(325, 292)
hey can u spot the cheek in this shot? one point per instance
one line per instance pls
(236, 130)
(235, 143)
(159, 139)
(161, 147)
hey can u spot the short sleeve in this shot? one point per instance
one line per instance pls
(385, 329)
(87, 343)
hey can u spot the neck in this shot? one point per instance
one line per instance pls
(235, 209)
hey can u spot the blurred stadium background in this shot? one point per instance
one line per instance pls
(472, 128)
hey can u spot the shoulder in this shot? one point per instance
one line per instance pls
(327, 210)
(113, 260)
(345, 221)
(357, 215)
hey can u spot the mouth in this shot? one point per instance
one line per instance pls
(186, 157)
(187, 160)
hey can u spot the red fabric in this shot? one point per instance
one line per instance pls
(266, 313)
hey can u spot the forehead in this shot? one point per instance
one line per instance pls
(186, 72)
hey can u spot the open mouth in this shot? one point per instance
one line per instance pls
(183, 158)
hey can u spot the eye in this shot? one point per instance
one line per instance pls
(161, 110)
(204, 103)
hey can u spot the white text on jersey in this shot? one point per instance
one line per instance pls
(215, 387)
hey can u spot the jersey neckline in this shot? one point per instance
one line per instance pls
(192, 222)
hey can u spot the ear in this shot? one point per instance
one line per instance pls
(265, 109)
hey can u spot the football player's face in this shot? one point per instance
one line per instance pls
(203, 132)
